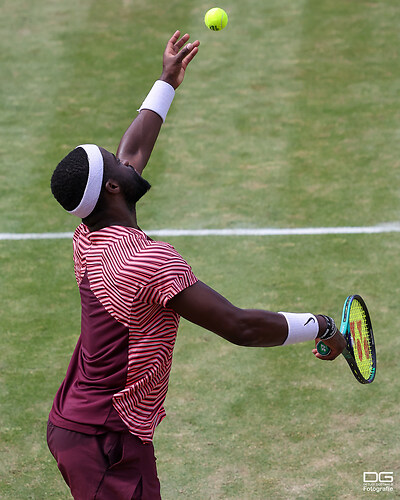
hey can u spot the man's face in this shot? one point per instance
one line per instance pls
(124, 174)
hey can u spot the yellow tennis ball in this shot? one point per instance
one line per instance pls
(216, 19)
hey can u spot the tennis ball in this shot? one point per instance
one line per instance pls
(216, 19)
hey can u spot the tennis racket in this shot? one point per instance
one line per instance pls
(356, 328)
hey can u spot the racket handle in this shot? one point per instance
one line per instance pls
(323, 349)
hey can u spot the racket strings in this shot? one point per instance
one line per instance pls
(361, 340)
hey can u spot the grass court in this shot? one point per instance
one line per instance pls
(288, 118)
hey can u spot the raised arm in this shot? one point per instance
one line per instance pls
(139, 139)
(205, 307)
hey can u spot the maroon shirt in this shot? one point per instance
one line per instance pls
(118, 376)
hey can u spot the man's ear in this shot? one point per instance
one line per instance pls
(112, 186)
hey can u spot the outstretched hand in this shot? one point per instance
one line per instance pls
(176, 58)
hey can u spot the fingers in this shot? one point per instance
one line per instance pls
(330, 357)
(177, 44)
(174, 38)
(174, 43)
(188, 52)
(336, 344)
(180, 43)
(177, 56)
(190, 56)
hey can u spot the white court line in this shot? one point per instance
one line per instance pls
(311, 231)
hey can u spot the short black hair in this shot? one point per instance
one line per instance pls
(69, 179)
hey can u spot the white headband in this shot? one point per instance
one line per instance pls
(94, 182)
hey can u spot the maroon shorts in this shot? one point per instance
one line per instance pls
(117, 466)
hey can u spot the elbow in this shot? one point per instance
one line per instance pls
(247, 337)
(241, 332)
(253, 328)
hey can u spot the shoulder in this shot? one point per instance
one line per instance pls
(81, 230)
(148, 248)
(134, 250)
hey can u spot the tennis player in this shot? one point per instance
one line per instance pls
(133, 291)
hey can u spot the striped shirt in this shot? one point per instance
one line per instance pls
(118, 375)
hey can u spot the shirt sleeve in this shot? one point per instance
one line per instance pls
(173, 276)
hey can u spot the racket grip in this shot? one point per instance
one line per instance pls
(323, 349)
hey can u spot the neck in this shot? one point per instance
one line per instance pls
(100, 221)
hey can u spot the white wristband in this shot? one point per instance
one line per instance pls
(159, 99)
(301, 327)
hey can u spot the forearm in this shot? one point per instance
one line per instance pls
(259, 328)
(138, 141)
